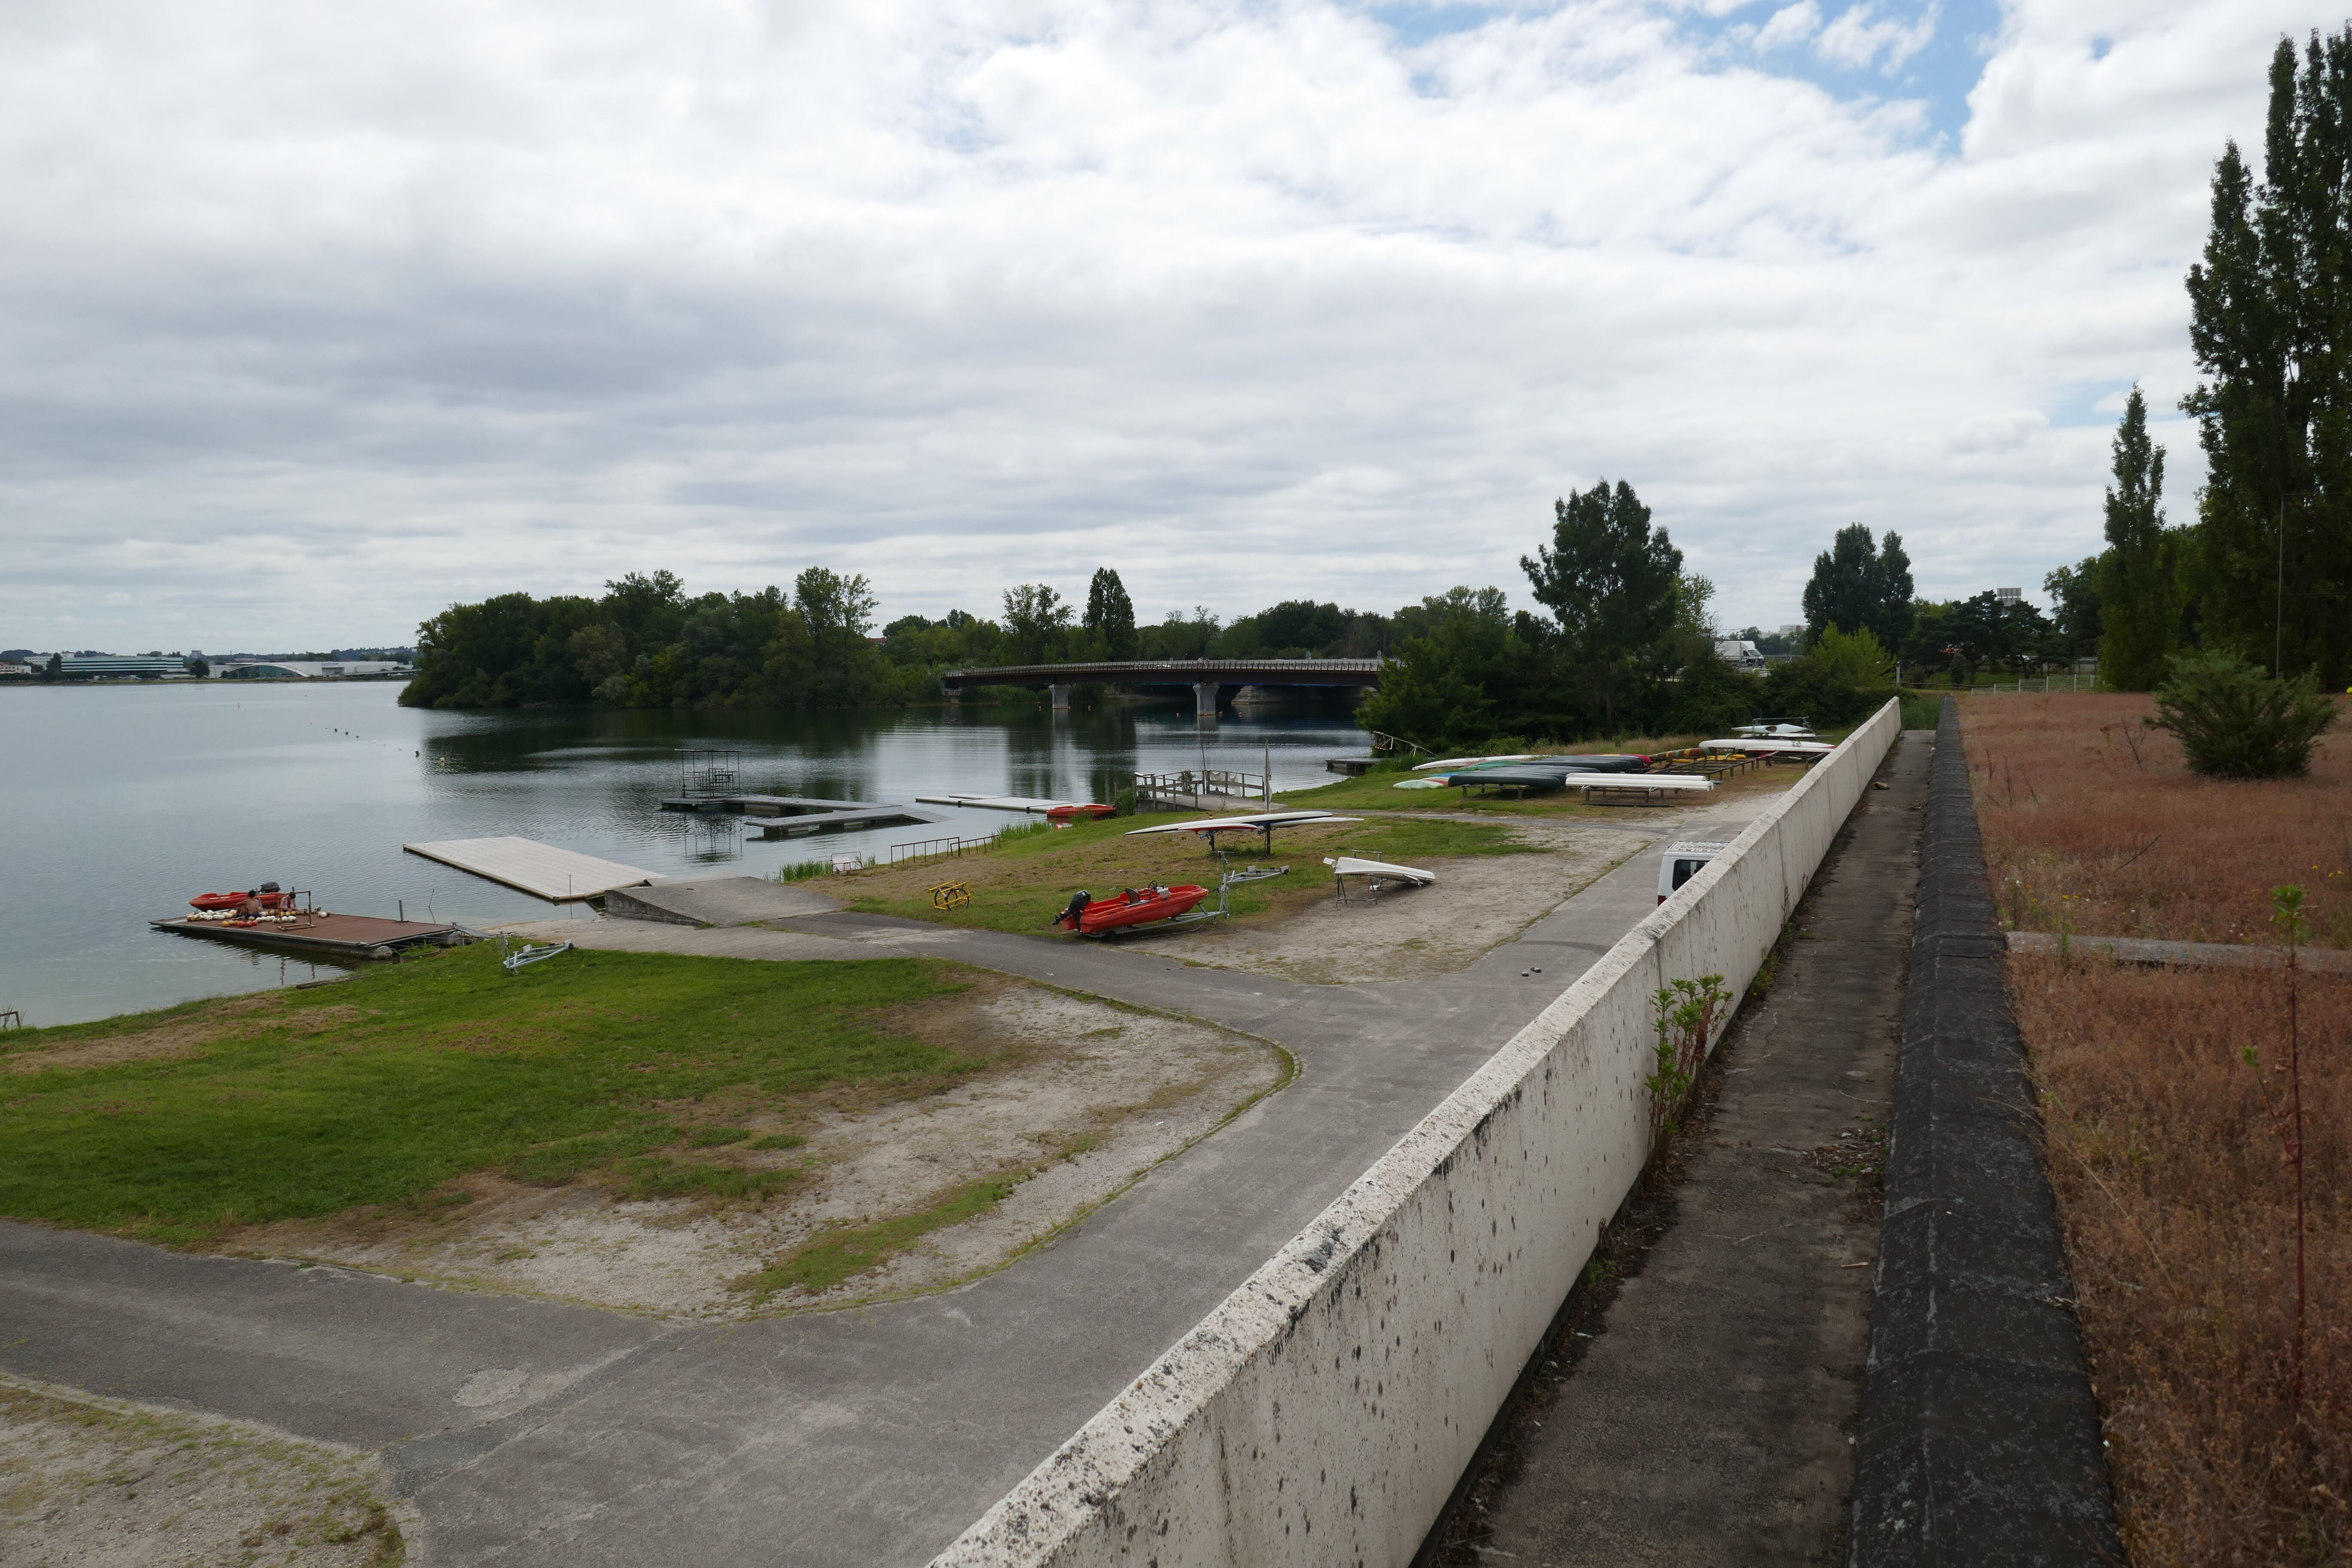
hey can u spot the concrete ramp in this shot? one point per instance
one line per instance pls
(556, 875)
(720, 901)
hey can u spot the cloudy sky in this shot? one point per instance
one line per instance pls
(320, 317)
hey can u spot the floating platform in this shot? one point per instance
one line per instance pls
(332, 936)
(791, 815)
(1000, 802)
(541, 869)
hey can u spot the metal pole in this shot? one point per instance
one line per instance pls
(1268, 765)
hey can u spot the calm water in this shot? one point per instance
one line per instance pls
(122, 802)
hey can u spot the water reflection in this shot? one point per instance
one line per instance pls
(178, 790)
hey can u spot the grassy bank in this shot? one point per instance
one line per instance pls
(2165, 1104)
(2160, 1093)
(649, 1071)
(1025, 881)
(2094, 823)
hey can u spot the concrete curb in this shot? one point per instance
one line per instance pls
(1979, 1439)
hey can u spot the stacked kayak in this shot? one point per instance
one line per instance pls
(1532, 772)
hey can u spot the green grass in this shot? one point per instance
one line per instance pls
(1020, 886)
(831, 1256)
(379, 1091)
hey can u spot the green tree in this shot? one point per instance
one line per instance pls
(2269, 300)
(1862, 586)
(1612, 582)
(2075, 590)
(1452, 675)
(1034, 621)
(2136, 603)
(1110, 614)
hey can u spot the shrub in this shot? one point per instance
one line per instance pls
(2237, 721)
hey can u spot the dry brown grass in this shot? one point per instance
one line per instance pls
(2178, 1212)
(2092, 824)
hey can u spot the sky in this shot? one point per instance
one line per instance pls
(320, 318)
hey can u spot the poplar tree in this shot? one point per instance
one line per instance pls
(1110, 614)
(2137, 614)
(2269, 303)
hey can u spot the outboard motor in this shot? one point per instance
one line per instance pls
(1077, 906)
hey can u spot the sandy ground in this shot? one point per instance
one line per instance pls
(1477, 903)
(1096, 1096)
(91, 1483)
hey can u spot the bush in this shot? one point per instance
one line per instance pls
(1824, 693)
(2236, 720)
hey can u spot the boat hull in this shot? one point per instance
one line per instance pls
(1103, 916)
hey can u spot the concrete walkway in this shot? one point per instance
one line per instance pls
(530, 1433)
(1706, 1416)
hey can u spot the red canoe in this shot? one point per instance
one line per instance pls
(1133, 907)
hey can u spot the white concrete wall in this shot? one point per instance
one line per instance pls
(1322, 1413)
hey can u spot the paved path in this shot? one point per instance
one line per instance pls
(530, 1433)
(1710, 1419)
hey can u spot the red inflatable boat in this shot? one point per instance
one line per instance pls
(1089, 916)
(1078, 813)
(266, 897)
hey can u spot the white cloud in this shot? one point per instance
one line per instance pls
(1858, 38)
(1788, 25)
(317, 319)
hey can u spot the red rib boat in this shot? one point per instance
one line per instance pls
(265, 897)
(1089, 916)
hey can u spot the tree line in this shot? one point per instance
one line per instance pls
(648, 643)
(2263, 571)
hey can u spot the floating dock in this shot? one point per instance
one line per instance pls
(330, 936)
(793, 814)
(1030, 804)
(559, 876)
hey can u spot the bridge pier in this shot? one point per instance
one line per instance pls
(1204, 701)
(1061, 696)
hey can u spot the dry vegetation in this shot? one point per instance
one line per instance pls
(2166, 1152)
(2165, 1094)
(2094, 825)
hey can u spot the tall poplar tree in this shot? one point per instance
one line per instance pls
(2270, 304)
(2137, 606)
(1110, 614)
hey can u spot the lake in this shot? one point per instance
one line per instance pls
(122, 802)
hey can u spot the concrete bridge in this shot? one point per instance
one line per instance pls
(1208, 677)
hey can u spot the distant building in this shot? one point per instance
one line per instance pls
(310, 670)
(99, 665)
(2009, 596)
(1794, 629)
(11, 667)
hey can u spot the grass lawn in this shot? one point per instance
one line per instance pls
(640, 1068)
(1026, 881)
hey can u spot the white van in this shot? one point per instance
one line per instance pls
(1681, 862)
